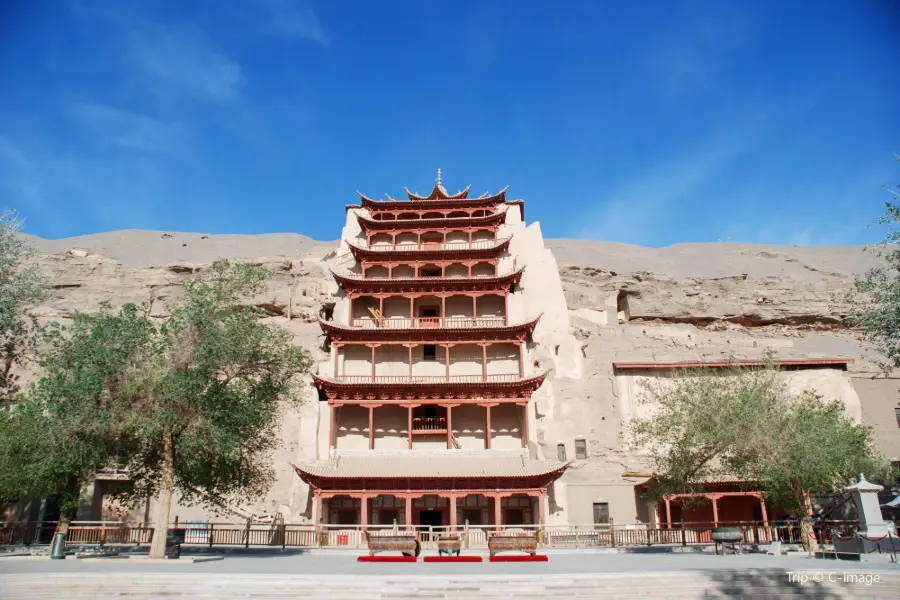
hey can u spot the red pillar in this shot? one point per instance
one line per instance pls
(498, 515)
(525, 426)
(668, 513)
(542, 507)
(410, 360)
(333, 434)
(506, 308)
(412, 310)
(447, 360)
(371, 428)
(373, 364)
(408, 503)
(474, 307)
(487, 427)
(364, 511)
(715, 507)
(452, 512)
(443, 311)
(484, 362)
(521, 359)
(409, 426)
(337, 351)
(449, 427)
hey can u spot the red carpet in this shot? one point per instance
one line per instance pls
(376, 558)
(519, 558)
(452, 559)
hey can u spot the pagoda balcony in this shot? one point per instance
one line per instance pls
(368, 223)
(429, 329)
(406, 388)
(430, 322)
(429, 425)
(363, 252)
(431, 246)
(359, 285)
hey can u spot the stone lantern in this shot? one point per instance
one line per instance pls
(865, 495)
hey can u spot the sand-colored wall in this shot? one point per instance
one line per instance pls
(880, 399)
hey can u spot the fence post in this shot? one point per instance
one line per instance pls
(466, 533)
(211, 525)
(683, 538)
(612, 532)
(247, 541)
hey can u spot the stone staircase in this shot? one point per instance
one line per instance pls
(755, 584)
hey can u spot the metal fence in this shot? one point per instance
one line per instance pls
(202, 533)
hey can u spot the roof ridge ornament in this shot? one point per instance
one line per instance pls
(438, 180)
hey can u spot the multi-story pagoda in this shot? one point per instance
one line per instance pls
(428, 387)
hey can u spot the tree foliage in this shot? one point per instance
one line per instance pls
(875, 299)
(20, 286)
(189, 403)
(745, 424)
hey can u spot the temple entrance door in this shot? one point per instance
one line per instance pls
(433, 518)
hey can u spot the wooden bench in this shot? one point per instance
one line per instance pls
(407, 544)
(513, 543)
(449, 544)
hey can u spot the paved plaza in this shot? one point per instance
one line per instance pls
(581, 575)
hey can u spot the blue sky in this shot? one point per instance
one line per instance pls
(651, 123)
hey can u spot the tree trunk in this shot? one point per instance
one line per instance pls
(164, 500)
(808, 534)
(62, 525)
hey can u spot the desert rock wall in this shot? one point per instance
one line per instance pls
(624, 303)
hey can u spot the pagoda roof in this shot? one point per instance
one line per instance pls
(402, 331)
(369, 224)
(361, 283)
(438, 192)
(449, 202)
(404, 389)
(452, 464)
(402, 252)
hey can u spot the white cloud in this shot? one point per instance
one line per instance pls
(133, 130)
(187, 63)
(292, 19)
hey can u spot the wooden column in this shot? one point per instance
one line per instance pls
(409, 426)
(408, 507)
(350, 318)
(381, 306)
(487, 427)
(474, 308)
(443, 308)
(452, 512)
(412, 310)
(506, 308)
(364, 511)
(525, 426)
(316, 509)
(333, 433)
(447, 360)
(715, 506)
(498, 514)
(542, 507)
(668, 512)
(484, 362)
(522, 359)
(337, 351)
(449, 426)
(410, 360)
(373, 364)
(371, 428)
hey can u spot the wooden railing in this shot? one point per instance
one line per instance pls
(415, 247)
(429, 423)
(497, 378)
(430, 322)
(473, 536)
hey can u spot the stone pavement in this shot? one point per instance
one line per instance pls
(600, 576)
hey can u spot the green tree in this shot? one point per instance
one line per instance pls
(875, 299)
(188, 404)
(20, 287)
(745, 424)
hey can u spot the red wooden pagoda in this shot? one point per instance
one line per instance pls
(428, 387)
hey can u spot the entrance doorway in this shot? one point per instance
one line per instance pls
(434, 518)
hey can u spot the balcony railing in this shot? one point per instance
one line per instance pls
(429, 322)
(496, 378)
(429, 424)
(415, 247)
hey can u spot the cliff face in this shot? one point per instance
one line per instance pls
(625, 303)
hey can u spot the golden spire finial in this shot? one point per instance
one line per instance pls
(438, 181)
